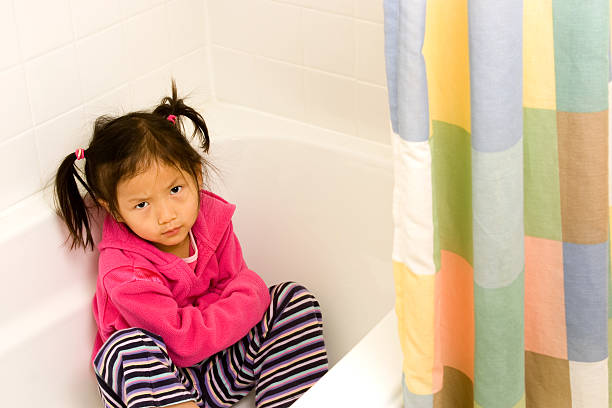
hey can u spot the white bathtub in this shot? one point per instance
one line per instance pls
(313, 206)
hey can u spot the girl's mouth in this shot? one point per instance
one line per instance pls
(171, 232)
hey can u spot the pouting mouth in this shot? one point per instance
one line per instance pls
(171, 230)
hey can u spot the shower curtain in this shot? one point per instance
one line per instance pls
(499, 112)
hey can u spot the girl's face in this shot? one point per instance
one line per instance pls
(160, 205)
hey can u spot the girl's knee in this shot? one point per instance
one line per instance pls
(283, 289)
(123, 341)
(287, 293)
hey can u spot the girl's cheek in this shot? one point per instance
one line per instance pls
(139, 217)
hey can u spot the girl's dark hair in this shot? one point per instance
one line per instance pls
(122, 147)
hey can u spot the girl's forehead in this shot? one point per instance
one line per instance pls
(157, 177)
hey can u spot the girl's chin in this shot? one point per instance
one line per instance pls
(176, 239)
(168, 244)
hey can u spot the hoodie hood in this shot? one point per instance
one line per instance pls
(213, 219)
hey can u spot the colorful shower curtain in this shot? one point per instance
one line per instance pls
(499, 111)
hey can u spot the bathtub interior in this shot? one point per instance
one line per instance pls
(336, 249)
(313, 207)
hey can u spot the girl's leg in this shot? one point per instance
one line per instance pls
(133, 370)
(292, 356)
(283, 355)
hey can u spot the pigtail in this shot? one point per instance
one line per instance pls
(70, 205)
(175, 106)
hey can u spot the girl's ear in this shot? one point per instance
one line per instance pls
(199, 177)
(105, 205)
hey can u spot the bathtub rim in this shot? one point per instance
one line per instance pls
(229, 123)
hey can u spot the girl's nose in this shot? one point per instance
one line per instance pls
(165, 214)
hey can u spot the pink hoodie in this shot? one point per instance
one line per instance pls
(197, 313)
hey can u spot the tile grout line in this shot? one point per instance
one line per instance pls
(22, 64)
(334, 13)
(211, 67)
(305, 67)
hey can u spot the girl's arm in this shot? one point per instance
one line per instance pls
(194, 333)
(233, 271)
(190, 334)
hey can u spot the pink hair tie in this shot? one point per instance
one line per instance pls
(80, 153)
(171, 118)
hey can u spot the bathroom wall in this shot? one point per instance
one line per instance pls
(316, 61)
(64, 62)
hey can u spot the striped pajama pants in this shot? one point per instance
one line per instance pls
(282, 356)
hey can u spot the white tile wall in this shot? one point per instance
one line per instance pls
(74, 133)
(90, 16)
(330, 101)
(148, 90)
(281, 88)
(369, 10)
(321, 61)
(234, 24)
(114, 103)
(14, 105)
(53, 82)
(132, 7)
(370, 60)
(19, 169)
(188, 71)
(186, 26)
(8, 33)
(234, 80)
(329, 42)
(372, 112)
(65, 62)
(335, 6)
(318, 61)
(147, 41)
(42, 25)
(278, 33)
(101, 58)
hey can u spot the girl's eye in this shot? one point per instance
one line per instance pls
(142, 204)
(176, 189)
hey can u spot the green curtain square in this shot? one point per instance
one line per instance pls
(452, 190)
(541, 174)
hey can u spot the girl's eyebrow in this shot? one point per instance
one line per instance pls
(140, 199)
(131, 200)
(177, 178)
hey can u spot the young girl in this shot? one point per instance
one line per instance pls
(182, 321)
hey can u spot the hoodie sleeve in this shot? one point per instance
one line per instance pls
(238, 288)
(234, 273)
(194, 333)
